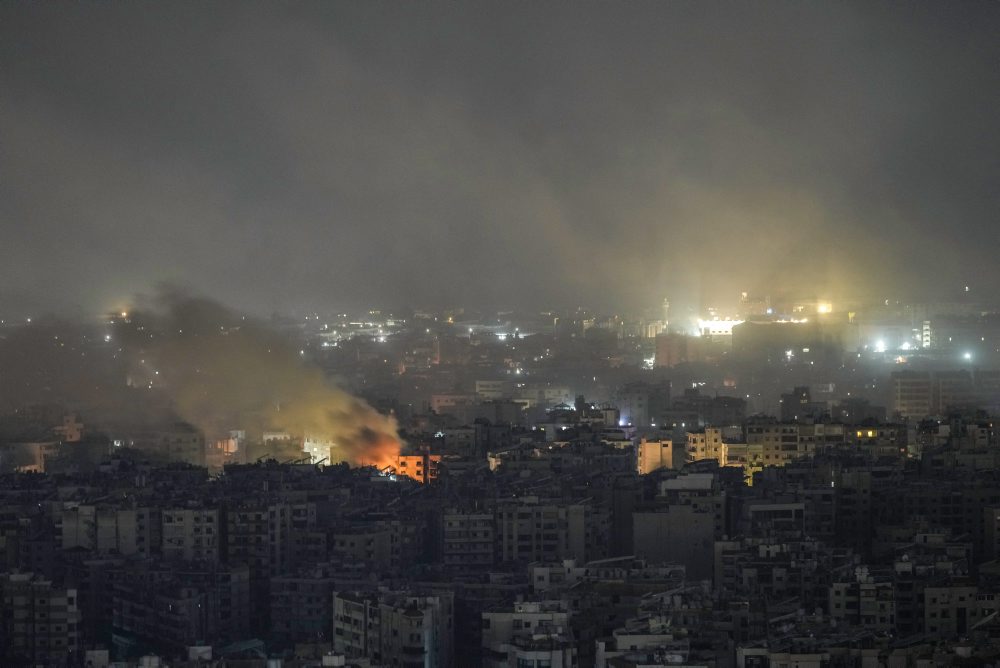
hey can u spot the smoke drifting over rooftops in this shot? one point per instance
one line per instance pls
(220, 368)
(178, 356)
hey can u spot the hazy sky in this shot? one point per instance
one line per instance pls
(290, 155)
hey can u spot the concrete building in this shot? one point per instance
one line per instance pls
(645, 641)
(171, 608)
(918, 394)
(191, 534)
(318, 449)
(772, 340)
(991, 532)
(181, 443)
(673, 349)
(368, 544)
(679, 534)
(445, 403)
(866, 600)
(39, 621)
(913, 395)
(779, 442)
(531, 530)
(395, 628)
(499, 626)
(468, 539)
(701, 492)
(643, 404)
(723, 446)
(531, 634)
(422, 467)
(111, 530)
(257, 534)
(706, 444)
(953, 390)
(301, 608)
(547, 577)
(951, 610)
(798, 405)
(654, 455)
(71, 429)
(355, 624)
(487, 390)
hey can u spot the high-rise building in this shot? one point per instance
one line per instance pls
(674, 348)
(39, 621)
(111, 529)
(654, 455)
(918, 394)
(467, 539)
(798, 405)
(191, 534)
(395, 628)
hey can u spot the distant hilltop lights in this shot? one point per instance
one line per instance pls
(717, 327)
(759, 310)
(720, 327)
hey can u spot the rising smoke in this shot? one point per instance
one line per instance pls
(180, 357)
(222, 370)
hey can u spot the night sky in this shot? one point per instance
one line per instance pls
(311, 155)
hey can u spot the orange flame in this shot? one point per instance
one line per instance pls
(381, 453)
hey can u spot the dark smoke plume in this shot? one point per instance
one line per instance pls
(174, 356)
(221, 369)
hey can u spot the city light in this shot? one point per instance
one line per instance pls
(602, 204)
(717, 327)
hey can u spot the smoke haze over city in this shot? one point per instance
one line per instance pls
(281, 157)
(419, 334)
(201, 364)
